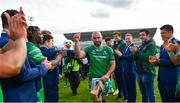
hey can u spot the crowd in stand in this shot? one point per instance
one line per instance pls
(30, 64)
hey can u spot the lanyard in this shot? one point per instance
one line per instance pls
(128, 47)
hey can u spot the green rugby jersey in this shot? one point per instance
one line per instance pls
(98, 59)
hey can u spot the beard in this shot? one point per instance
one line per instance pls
(164, 38)
(97, 44)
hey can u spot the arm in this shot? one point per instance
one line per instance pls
(56, 61)
(145, 56)
(50, 53)
(165, 62)
(4, 39)
(12, 60)
(8, 46)
(127, 57)
(31, 71)
(111, 66)
(111, 70)
(175, 58)
(78, 52)
(174, 48)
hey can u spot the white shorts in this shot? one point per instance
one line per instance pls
(94, 82)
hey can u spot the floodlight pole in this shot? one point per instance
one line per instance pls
(31, 19)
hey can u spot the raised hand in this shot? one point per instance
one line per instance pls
(172, 47)
(17, 25)
(77, 37)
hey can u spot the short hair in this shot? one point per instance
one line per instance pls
(45, 32)
(167, 27)
(47, 38)
(128, 34)
(116, 32)
(31, 31)
(144, 30)
(107, 39)
(4, 19)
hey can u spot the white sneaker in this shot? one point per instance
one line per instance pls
(60, 76)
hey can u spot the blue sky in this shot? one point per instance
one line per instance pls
(62, 16)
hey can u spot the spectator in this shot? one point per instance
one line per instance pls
(84, 68)
(168, 71)
(108, 42)
(119, 44)
(15, 88)
(12, 59)
(129, 68)
(145, 70)
(72, 66)
(51, 81)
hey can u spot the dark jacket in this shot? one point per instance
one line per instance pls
(52, 77)
(167, 70)
(22, 88)
(142, 57)
(128, 60)
(120, 46)
(4, 38)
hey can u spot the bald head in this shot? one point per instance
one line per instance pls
(96, 33)
(97, 38)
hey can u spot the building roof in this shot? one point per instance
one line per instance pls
(86, 36)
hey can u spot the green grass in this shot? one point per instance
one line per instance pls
(84, 93)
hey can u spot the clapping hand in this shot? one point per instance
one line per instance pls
(133, 49)
(117, 52)
(172, 47)
(153, 59)
(17, 25)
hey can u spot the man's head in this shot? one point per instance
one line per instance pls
(128, 38)
(96, 38)
(48, 41)
(117, 36)
(33, 34)
(144, 35)
(108, 41)
(3, 17)
(166, 31)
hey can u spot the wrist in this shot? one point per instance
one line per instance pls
(108, 74)
(76, 42)
(19, 37)
(170, 53)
